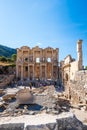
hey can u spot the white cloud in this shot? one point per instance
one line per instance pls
(38, 43)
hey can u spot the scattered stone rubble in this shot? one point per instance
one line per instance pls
(5, 80)
(45, 98)
(15, 102)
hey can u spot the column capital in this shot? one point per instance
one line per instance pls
(80, 41)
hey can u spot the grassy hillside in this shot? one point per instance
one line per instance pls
(6, 51)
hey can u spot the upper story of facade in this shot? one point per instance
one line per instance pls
(37, 55)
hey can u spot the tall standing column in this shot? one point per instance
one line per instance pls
(40, 64)
(22, 67)
(79, 55)
(17, 63)
(28, 64)
(52, 65)
(40, 71)
(16, 70)
(21, 72)
(28, 72)
(33, 71)
(33, 63)
(52, 72)
(45, 72)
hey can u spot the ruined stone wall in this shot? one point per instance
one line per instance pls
(77, 88)
(73, 69)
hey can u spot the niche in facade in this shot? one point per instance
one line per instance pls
(26, 68)
(49, 59)
(67, 77)
(30, 58)
(37, 60)
(26, 59)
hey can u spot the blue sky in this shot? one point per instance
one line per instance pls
(55, 23)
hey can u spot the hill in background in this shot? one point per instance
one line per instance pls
(6, 51)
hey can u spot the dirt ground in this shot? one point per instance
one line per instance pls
(80, 114)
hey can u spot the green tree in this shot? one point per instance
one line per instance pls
(0, 58)
(13, 57)
(9, 60)
(3, 59)
(86, 67)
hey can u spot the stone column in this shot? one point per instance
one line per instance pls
(28, 64)
(17, 64)
(79, 55)
(52, 72)
(52, 65)
(21, 72)
(16, 70)
(33, 71)
(28, 72)
(33, 57)
(45, 72)
(40, 64)
(40, 71)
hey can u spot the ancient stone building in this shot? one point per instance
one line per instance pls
(37, 63)
(74, 77)
(69, 66)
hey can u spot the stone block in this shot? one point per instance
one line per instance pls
(51, 126)
(38, 127)
(19, 126)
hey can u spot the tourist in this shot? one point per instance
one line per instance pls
(30, 84)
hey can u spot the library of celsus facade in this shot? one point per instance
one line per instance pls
(37, 63)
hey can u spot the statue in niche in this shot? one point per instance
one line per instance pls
(31, 58)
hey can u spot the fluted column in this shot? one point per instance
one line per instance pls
(79, 54)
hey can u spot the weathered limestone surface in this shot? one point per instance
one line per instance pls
(77, 89)
(69, 66)
(6, 79)
(68, 123)
(19, 126)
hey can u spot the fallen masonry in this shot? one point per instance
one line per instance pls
(25, 101)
